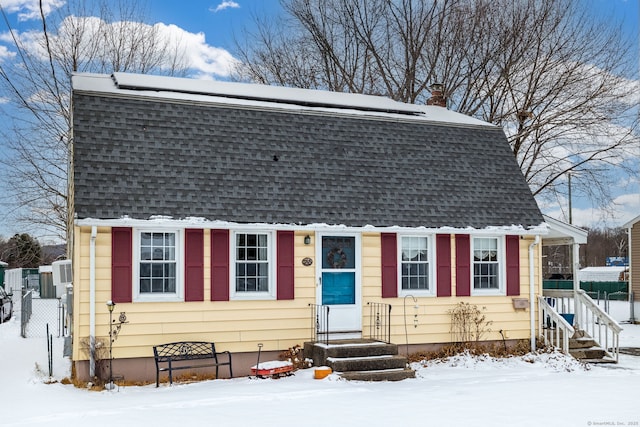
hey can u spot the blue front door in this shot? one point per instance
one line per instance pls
(339, 281)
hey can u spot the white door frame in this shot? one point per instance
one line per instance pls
(343, 317)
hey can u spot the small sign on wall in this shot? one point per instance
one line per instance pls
(520, 303)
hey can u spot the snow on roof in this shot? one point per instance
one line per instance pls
(601, 274)
(161, 221)
(264, 96)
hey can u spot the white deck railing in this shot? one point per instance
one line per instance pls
(589, 317)
(554, 329)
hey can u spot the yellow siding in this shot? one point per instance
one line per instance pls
(239, 326)
(434, 321)
(233, 325)
(635, 260)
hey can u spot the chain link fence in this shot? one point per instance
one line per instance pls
(41, 315)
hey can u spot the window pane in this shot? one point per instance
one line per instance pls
(158, 254)
(158, 239)
(252, 254)
(263, 284)
(145, 239)
(145, 285)
(170, 285)
(145, 253)
(170, 270)
(262, 240)
(241, 254)
(169, 239)
(157, 285)
(157, 270)
(252, 240)
(145, 270)
(241, 269)
(251, 269)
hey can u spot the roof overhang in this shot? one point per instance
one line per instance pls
(561, 233)
(632, 222)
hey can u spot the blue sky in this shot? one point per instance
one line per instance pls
(209, 28)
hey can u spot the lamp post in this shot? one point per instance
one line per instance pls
(110, 305)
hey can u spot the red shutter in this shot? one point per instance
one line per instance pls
(121, 264)
(513, 265)
(463, 265)
(219, 265)
(194, 265)
(389, 262)
(443, 265)
(284, 262)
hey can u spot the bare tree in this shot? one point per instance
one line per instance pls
(558, 79)
(99, 36)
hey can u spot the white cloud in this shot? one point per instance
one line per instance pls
(204, 60)
(5, 53)
(191, 49)
(30, 9)
(224, 5)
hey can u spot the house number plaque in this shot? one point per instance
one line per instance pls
(307, 261)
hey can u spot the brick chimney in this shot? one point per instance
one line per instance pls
(437, 96)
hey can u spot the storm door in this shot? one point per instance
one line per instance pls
(339, 281)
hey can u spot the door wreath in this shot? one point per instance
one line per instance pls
(336, 258)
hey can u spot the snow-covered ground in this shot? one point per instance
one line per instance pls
(535, 390)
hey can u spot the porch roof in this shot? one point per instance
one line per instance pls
(562, 233)
(632, 222)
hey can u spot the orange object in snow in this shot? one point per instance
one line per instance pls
(321, 372)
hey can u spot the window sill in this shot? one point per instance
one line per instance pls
(251, 296)
(488, 293)
(415, 293)
(158, 298)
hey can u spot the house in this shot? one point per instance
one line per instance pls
(633, 230)
(227, 212)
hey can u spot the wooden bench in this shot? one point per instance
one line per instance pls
(177, 355)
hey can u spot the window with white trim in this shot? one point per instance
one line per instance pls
(158, 265)
(252, 265)
(416, 266)
(487, 264)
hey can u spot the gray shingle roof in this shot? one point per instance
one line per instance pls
(149, 156)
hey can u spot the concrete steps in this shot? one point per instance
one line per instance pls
(586, 349)
(360, 359)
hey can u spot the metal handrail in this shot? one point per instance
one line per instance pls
(554, 329)
(380, 321)
(319, 322)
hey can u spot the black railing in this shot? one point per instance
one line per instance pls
(380, 321)
(319, 323)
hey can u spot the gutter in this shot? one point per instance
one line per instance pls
(92, 301)
(532, 305)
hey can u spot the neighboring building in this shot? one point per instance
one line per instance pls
(222, 212)
(3, 267)
(603, 274)
(633, 229)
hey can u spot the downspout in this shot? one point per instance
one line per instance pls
(92, 301)
(532, 305)
(632, 315)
